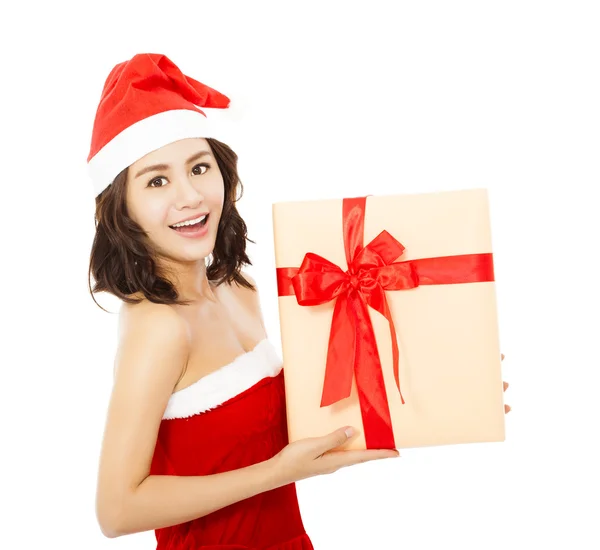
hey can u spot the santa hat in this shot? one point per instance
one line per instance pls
(146, 103)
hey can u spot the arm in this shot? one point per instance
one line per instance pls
(160, 501)
(153, 350)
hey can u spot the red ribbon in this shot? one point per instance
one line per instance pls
(371, 271)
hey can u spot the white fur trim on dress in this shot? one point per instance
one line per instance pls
(147, 135)
(219, 386)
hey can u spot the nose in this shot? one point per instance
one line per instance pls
(188, 194)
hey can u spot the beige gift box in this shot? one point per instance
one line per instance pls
(447, 334)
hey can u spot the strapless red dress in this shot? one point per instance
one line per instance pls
(229, 419)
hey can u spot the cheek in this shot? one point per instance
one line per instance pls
(152, 214)
(216, 195)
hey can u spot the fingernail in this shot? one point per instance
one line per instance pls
(349, 432)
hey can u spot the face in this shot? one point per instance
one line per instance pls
(181, 182)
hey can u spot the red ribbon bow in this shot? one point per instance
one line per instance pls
(371, 271)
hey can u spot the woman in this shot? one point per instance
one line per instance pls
(195, 445)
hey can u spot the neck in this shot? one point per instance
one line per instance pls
(191, 282)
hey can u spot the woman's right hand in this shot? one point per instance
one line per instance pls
(316, 455)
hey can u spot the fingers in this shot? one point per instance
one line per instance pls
(505, 387)
(335, 439)
(340, 459)
(506, 407)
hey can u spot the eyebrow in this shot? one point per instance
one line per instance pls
(166, 166)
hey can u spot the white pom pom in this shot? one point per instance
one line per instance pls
(231, 124)
(238, 107)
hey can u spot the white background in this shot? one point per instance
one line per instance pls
(342, 99)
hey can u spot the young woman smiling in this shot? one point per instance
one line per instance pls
(195, 445)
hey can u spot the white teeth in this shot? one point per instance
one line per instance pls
(190, 222)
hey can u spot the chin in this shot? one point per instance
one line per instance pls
(189, 255)
(197, 253)
(189, 252)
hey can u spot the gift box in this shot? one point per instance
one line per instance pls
(388, 318)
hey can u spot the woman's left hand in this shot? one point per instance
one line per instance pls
(506, 407)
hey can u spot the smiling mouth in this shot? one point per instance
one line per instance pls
(189, 228)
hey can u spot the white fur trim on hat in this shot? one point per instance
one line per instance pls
(145, 136)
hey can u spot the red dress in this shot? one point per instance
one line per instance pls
(229, 419)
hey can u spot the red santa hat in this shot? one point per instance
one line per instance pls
(146, 103)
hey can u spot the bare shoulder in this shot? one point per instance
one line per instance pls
(134, 316)
(147, 326)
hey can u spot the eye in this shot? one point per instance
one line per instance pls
(151, 182)
(207, 166)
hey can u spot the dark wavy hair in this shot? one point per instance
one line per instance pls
(123, 259)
